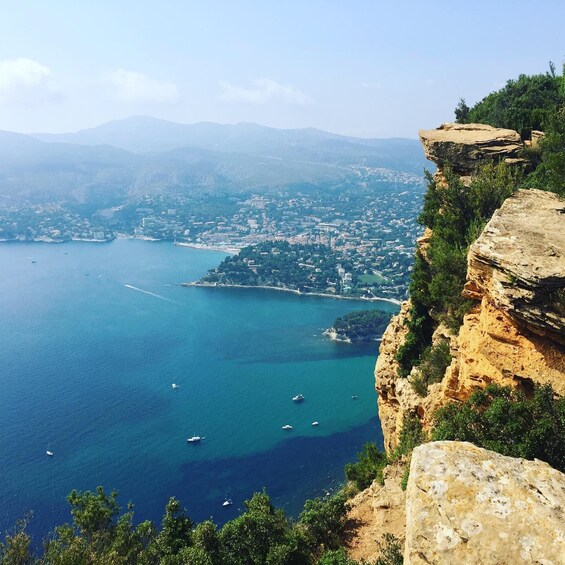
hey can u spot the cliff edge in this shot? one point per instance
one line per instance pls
(465, 504)
(514, 334)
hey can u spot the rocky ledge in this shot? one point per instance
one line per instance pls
(467, 505)
(466, 146)
(519, 262)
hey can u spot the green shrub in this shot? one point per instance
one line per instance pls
(434, 361)
(325, 519)
(391, 551)
(505, 421)
(336, 557)
(368, 467)
(405, 477)
(411, 435)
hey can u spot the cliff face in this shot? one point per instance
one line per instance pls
(465, 504)
(515, 334)
(516, 269)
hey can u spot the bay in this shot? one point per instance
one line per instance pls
(92, 338)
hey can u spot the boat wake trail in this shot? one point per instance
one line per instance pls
(151, 294)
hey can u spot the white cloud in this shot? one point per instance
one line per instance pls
(263, 90)
(130, 86)
(24, 79)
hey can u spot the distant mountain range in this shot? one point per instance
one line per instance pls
(147, 155)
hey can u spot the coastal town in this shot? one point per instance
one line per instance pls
(369, 229)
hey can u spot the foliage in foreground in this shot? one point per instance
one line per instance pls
(261, 535)
(506, 421)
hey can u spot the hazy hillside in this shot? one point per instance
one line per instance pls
(139, 155)
(145, 134)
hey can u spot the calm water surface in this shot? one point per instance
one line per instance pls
(93, 336)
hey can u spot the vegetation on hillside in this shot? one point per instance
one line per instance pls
(531, 102)
(456, 214)
(525, 104)
(506, 421)
(364, 325)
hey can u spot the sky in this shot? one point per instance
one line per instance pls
(366, 68)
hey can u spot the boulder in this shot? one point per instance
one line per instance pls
(468, 505)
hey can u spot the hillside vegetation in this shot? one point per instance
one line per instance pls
(530, 102)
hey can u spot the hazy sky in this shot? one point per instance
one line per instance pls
(367, 68)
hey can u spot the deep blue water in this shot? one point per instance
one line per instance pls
(86, 368)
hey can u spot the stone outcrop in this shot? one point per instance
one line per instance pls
(466, 146)
(519, 262)
(467, 505)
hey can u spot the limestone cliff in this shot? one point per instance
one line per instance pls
(465, 504)
(515, 334)
(516, 269)
(464, 147)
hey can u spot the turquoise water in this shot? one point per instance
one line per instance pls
(92, 338)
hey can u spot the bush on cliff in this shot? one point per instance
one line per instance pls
(368, 467)
(524, 104)
(506, 421)
(456, 214)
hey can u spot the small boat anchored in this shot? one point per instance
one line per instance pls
(287, 427)
(174, 386)
(298, 398)
(227, 502)
(49, 453)
(316, 423)
(195, 439)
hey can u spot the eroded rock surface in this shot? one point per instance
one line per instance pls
(378, 510)
(518, 262)
(466, 146)
(467, 505)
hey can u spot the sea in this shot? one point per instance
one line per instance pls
(92, 338)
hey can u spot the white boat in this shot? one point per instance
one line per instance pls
(354, 397)
(298, 398)
(227, 502)
(174, 386)
(49, 453)
(287, 427)
(316, 423)
(195, 439)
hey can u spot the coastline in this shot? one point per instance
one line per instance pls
(293, 291)
(332, 334)
(203, 246)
